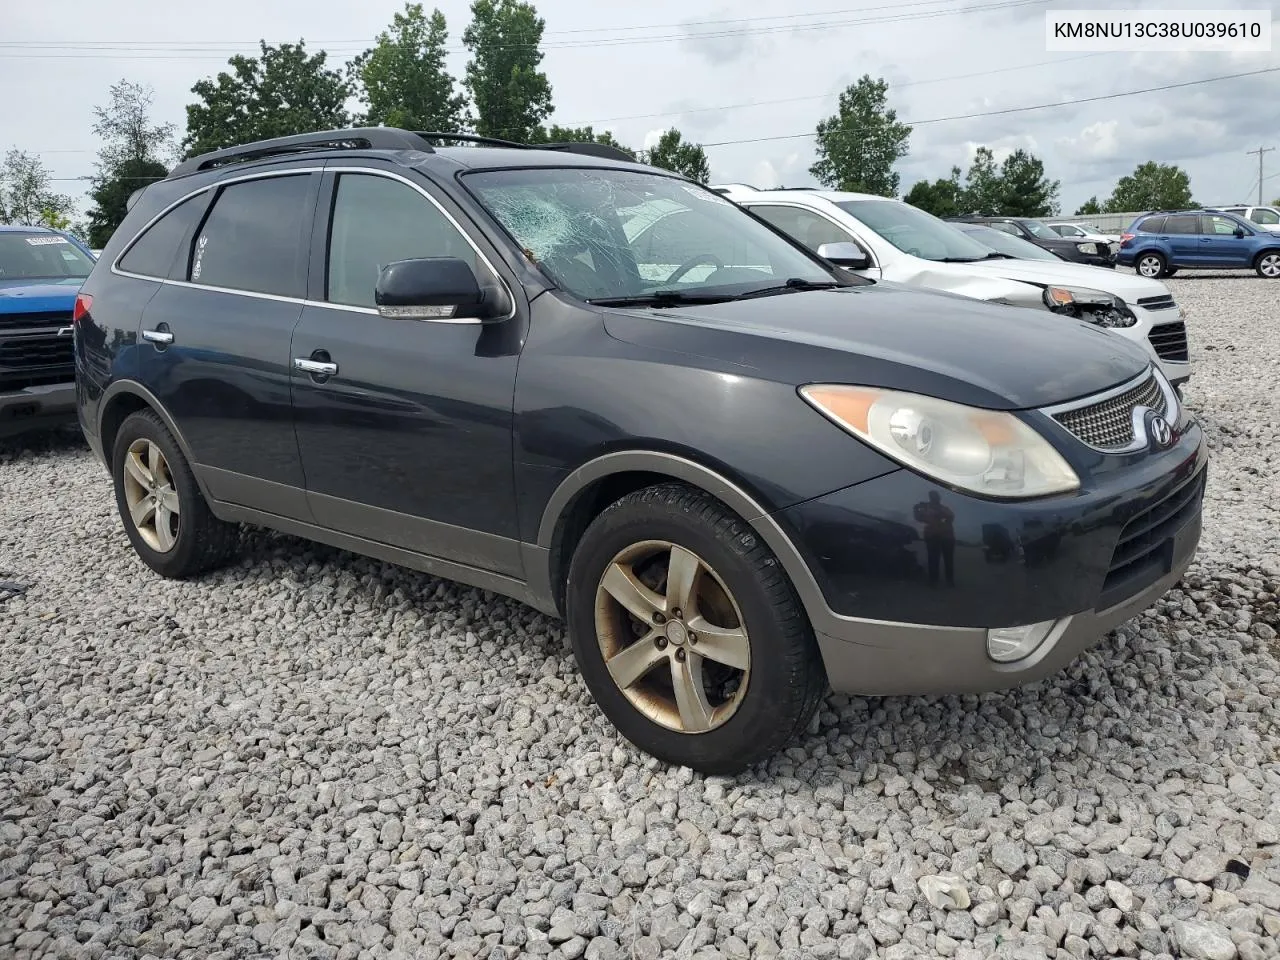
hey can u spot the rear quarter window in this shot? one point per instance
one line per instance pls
(1152, 225)
(155, 252)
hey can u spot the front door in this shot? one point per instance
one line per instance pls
(408, 440)
(1221, 245)
(215, 344)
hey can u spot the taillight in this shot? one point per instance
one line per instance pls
(1126, 237)
(84, 303)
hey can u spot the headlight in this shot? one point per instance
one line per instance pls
(985, 451)
(1089, 248)
(1095, 306)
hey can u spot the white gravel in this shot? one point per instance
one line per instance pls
(315, 755)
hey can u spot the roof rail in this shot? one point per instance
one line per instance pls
(355, 138)
(585, 147)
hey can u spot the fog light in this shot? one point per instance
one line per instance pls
(1006, 644)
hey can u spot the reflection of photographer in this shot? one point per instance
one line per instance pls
(939, 536)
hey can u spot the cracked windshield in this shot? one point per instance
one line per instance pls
(618, 236)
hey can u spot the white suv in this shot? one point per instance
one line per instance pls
(1268, 218)
(890, 240)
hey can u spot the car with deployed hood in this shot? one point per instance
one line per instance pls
(40, 271)
(889, 239)
(739, 473)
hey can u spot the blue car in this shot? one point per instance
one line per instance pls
(1158, 244)
(41, 271)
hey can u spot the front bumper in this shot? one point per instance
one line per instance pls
(900, 612)
(37, 408)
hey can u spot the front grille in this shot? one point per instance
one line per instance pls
(1169, 340)
(1144, 552)
(1108, 424)
(26, 352)
(1162, 302)
(46, 318)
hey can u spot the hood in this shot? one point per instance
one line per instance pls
(1127, 286)
(897, 337)
(38, 296)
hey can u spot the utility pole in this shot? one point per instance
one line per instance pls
(1260, 151)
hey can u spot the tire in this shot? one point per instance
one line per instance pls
(175, 543)
(1170, 271)
(1268, 264)
(1150, 265)
(742, 712)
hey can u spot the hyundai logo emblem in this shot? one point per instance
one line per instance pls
(1161, 432)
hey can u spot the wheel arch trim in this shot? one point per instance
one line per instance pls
(135, 389)
(821, 616)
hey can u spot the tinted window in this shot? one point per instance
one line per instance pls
(1262, 215)
(1220, 226)
(153, 254)
(1038, 230)
(1182, 224)
(253, 238)
(805, 226)
(1008, 228)
(377, 221)
(41, 256)
(1153, 225)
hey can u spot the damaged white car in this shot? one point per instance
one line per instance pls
(887, 239)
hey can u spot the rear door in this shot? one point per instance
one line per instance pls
(215, 338)
(1182, 233)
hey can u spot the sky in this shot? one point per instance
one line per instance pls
(717, 71)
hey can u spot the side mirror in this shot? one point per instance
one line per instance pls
(845, 254)
(434, 288)
(1239, 232)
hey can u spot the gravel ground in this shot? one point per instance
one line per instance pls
(315, 755)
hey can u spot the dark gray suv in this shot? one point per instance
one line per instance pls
(740, 474)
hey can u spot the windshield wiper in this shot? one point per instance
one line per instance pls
(794, 283)
(661, 298)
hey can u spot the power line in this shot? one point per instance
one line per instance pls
(1009, 110)
(84, 51)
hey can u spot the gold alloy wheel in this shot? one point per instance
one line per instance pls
(150, 495)
(672, 636)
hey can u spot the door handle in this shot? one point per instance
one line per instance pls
(317, 368)
(162, 337)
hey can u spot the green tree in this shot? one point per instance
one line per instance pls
(131, 155)
(858, 145)
(403, 79)
(1152, 186)
(284, 91)
(673, 152)
(558, 134)
(1024, 189)
(511, 95)
(1090, 208)
(942, 197)
(26, 194)
(982, 194)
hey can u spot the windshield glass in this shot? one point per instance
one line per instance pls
(1038, 230)
(1001, 242)
(41, 256)
(913, 231)
(604, 234)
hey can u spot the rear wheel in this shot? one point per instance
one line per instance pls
(688, 634)
(1150, 265)
(164, 513)
(1268, 265)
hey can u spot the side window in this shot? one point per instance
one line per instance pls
(1220, 226)
(1260, 215)
(805, 226)
(377, 221)
(253, 238)
(1008, 228)
(1182, 224)
(154, 253)
(1153, 225)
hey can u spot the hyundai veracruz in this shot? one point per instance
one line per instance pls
(738, 473)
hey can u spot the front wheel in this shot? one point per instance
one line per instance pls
(1150, 265)
(1268, 265)
(689, 635)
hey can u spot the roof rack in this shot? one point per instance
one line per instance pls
(587, 148)
(355, 138)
